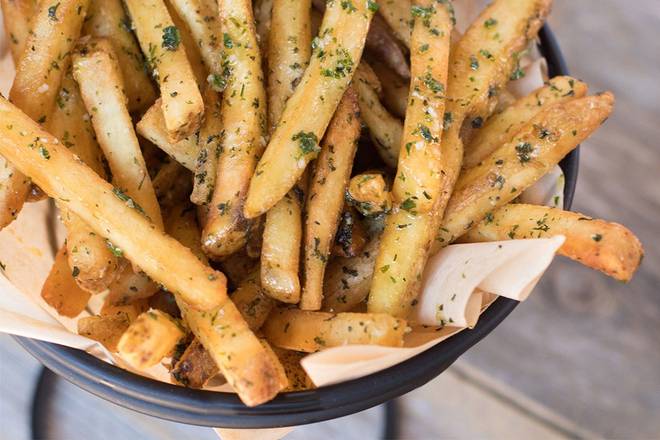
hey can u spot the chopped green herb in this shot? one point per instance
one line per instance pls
(524, 151)
(490, 23)
(308, 142)
(171, 38)
(52, 11)
(116, 251)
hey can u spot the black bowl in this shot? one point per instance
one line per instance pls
(226, 410)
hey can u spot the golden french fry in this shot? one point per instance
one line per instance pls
(608, 247)
(209, 147)
(151, 337)
(252, 302)
(424, 180)
(193, 54)
(243, 116)
(397, 15)
(160, 41)
(309, 332)
(132, 310)
(62, 176)
(106, 103)
(368, 193)
(325, 198)
(182, 225)
(289, 49)
(107, 19)
(201, 18)
(298, 379)
(395, 89)
(16, 16)
(104, 329)
(88, 252)
(351, 236)
(152, 127)
(173, 184)
(502, 127)
(60, 290)
(195, 367)
(385, 129)
(130, 287)
(294, 143)
(347, 280)
(513, 167)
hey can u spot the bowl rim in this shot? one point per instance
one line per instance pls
(215, 409)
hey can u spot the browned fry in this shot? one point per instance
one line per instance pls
(195, 367)
(173, 184)
(516, 165)
(395, 88)
(60, 290)
(238, 266)
(325, 198)
(209, 148)
(369, 193)
(107, 19)
(243, 116)
(298, 378)
(104, 329)
(502, 127)
(132, 310)
(16, 15)
(351, 236)
(148, 339)
(601, 245)
(309, 332)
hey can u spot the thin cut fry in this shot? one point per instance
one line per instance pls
(60, 290)
(501, 128)
(130, 287)
(160, 40)
(244, 122)
(200, 72)
(425, 170)
(16, 15)
(385, 129)
(351, 236)
(513, 167)
(309, 332)
(298, 378)
(107, 19)
(295, 141)
(151, 337)
(326, 196)
(395, 89)
(195, 367)
(601, 245)
(209, 147)
(104, 329)
(132, 310)
(252, 302)
(152, 127)
(106, 103)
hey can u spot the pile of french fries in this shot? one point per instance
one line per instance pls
(244, 192)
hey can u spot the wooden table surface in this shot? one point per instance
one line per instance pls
(581, 358)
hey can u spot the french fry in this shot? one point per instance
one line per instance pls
(195, 367)
(385, 129)
(425, 169)
(598, 244)
(262, 15)
(57, 171)
(132, 310)
(172, 183)
(151, 337)
(348, 280)
(88, 252)
(193, 54)
(130, 287)
(501, 128)
(295, 141)
(325, 198)
(298, 378)
(238, 266)
(201, 18)
(369, 194)
(289, 49)
(395, 88)
(16, 15)
(289, 46)
(243, 116)
(107, 19)
(104, 329)
(351, 236)
(382, 44)
(209, 147)
(252, 302)
(309, 332)
(164, 301)
(106, 103)
(60, 290)
(396, 14)
(160, 41)
(182, 225)
(152, 127)
(39, 71)
(513, 167)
